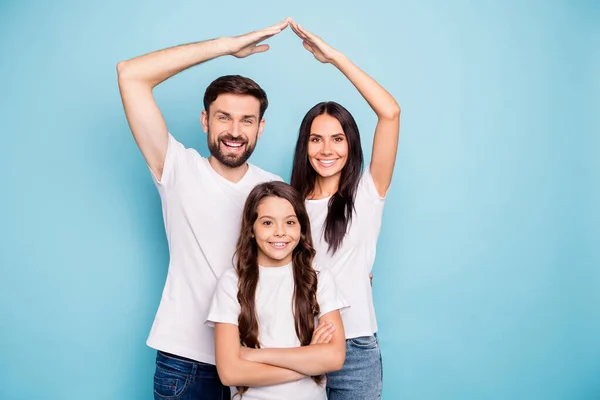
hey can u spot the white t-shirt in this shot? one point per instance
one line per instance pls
(354, 259)
(274, 309)
(202, 215)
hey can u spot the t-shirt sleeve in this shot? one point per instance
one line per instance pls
(367, 186)
(225, 307)
(176, 159)
(328, 297)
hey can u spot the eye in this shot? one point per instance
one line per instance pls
(266, 223)
(223, 118)
(315, 139)
(338, 139)
(247, 121)
(291, 222)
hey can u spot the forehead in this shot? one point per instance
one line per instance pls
(275, 206)
(325, 124)
(236, 104)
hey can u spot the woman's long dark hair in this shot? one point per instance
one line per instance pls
(341, 204)
(305, 304)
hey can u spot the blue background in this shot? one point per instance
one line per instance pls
(487, 281)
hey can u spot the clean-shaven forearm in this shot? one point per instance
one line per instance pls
(309, 360)
(380, 100)
(248, 373)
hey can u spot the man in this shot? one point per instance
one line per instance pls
(202, 201)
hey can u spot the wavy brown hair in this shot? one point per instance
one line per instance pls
(305, 305)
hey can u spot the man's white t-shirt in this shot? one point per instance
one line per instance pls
(202, 215)
(276, 328)
(354, 259)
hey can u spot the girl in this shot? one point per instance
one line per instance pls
(345, 207)
(265, 310)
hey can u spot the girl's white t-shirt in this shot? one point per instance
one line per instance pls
(274, 308)
(354, 259)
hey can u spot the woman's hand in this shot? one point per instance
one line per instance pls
(317, 46)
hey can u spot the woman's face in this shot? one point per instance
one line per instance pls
(327, 146)
(277, 231)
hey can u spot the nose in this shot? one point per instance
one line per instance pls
(236, 129)
(279, 230)
(326, 148)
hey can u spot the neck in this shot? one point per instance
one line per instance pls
(325, 187)
(231, 174)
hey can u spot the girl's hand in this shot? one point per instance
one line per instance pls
(321, 50)
(323, 333)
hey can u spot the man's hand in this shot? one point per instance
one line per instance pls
(311, 42)
(323, 333)
(245, 45)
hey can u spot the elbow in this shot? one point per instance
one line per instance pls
(391, 113)
(227, 376)
(336, 360)
(339, 362)
(126, 72)
(122, 70)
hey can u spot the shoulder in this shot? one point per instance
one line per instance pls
(263, 176)
(229, 279)
(184, 156)
(324, 277)
(366, 185)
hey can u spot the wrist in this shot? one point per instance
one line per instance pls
(338, 59)
(224, 45)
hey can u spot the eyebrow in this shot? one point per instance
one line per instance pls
(229, 115)
(269, 216)
(334, 135)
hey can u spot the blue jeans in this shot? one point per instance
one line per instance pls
(361, 378)
(182, 379)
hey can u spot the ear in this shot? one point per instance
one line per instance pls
(261, 126)
(204, 121)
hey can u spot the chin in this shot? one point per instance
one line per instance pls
(327, 173)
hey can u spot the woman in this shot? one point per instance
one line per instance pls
(345, 206)
(265, 310)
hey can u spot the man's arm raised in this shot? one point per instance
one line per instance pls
(138, 76)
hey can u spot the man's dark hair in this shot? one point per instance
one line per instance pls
(235, 84)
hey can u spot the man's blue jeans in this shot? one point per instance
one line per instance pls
(178, 378)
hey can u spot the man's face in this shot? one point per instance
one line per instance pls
(233, 127)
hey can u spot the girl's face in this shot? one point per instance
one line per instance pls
(327, 146)
(277, 232)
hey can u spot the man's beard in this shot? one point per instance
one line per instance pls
(230, 160)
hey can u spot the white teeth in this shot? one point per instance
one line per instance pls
(233, 144)
(279, 244)
(327, 162)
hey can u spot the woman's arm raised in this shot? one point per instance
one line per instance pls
(385, 142)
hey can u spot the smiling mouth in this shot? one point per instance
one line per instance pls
(279, 245)
(233, 145)
(326, 163)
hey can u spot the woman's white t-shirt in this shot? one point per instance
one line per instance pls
(276, 329)
(354, 259)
